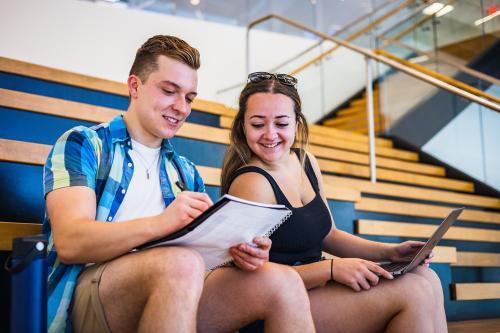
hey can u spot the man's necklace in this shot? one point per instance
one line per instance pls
(144, 163)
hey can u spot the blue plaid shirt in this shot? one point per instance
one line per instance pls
(98, 157)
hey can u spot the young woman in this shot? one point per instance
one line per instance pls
(266, 162)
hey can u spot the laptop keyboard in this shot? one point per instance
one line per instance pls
(394, 266)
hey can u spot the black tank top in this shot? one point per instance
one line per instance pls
(299, 239)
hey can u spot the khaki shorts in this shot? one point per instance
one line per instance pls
(87, 313)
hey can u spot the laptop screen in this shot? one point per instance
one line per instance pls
(435, 238)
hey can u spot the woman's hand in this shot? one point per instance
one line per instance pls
(358, 274)
(405, 251)
(248, 257)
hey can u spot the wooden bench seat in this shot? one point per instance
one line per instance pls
(475, 291)
(423, 210)
(403, 229)
(477, 259)
(11, 230)
(412, 192)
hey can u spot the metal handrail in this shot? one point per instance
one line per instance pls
(445, 59)
(338, 33)
(370, 54)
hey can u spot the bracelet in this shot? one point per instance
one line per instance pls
(331, 269)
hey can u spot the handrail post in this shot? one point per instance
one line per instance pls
(371, 122)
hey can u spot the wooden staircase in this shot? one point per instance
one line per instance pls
(353, 117)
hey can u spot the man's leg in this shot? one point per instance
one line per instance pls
(233, 298)
(156, 290)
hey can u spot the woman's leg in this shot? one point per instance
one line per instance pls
(274, 293)
(433, 279)
(404, 304)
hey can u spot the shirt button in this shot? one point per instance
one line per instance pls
(129, 164)
(110, 218)
(123, 191)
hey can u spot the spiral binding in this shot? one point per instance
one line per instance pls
(267, 234)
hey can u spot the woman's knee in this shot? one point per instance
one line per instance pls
(417, 291)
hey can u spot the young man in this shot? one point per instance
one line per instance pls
(110, 188)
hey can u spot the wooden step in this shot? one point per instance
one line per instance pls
(403, 229)
(394, 176)
(36, 154)
(475, 326)
(97, 114)
(477, 259)
(351, 119)
(11, 230)
(475, 291)
(412, 192)
(423, 210)
(88, 82)
(389, 163)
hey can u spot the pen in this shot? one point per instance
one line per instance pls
(180, 186)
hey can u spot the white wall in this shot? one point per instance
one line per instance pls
(86, 38)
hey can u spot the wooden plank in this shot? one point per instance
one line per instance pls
(475, 326)
(11, 230)
(363, 148)
(94, 83)
(477, 259)
(23, 152)
(475, 291)
(402, 229)
(393, 175)
(423, 210)
(411, 192)
(339, 134)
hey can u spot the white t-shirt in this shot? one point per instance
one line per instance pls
(143, 197)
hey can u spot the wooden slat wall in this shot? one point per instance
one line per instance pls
(474, 326)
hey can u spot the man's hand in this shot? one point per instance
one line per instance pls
(184, 209)
(248, 257)
(358, 274)
(405, 251)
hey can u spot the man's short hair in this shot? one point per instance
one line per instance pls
(146, 58)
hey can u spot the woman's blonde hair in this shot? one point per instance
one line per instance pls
(239, 153)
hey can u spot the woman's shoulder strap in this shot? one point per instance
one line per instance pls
(280, 197)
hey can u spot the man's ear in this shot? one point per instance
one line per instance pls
(133, 84)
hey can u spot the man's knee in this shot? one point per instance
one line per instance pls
(173, 264)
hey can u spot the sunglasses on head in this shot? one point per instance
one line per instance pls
(263, 76)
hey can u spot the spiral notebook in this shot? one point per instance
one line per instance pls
(230, 221)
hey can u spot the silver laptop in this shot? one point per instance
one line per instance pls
(399, 268)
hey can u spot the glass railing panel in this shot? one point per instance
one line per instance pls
(469, 143)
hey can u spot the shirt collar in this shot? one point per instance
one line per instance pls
(119, 133)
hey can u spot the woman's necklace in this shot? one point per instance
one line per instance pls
(144, 163)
